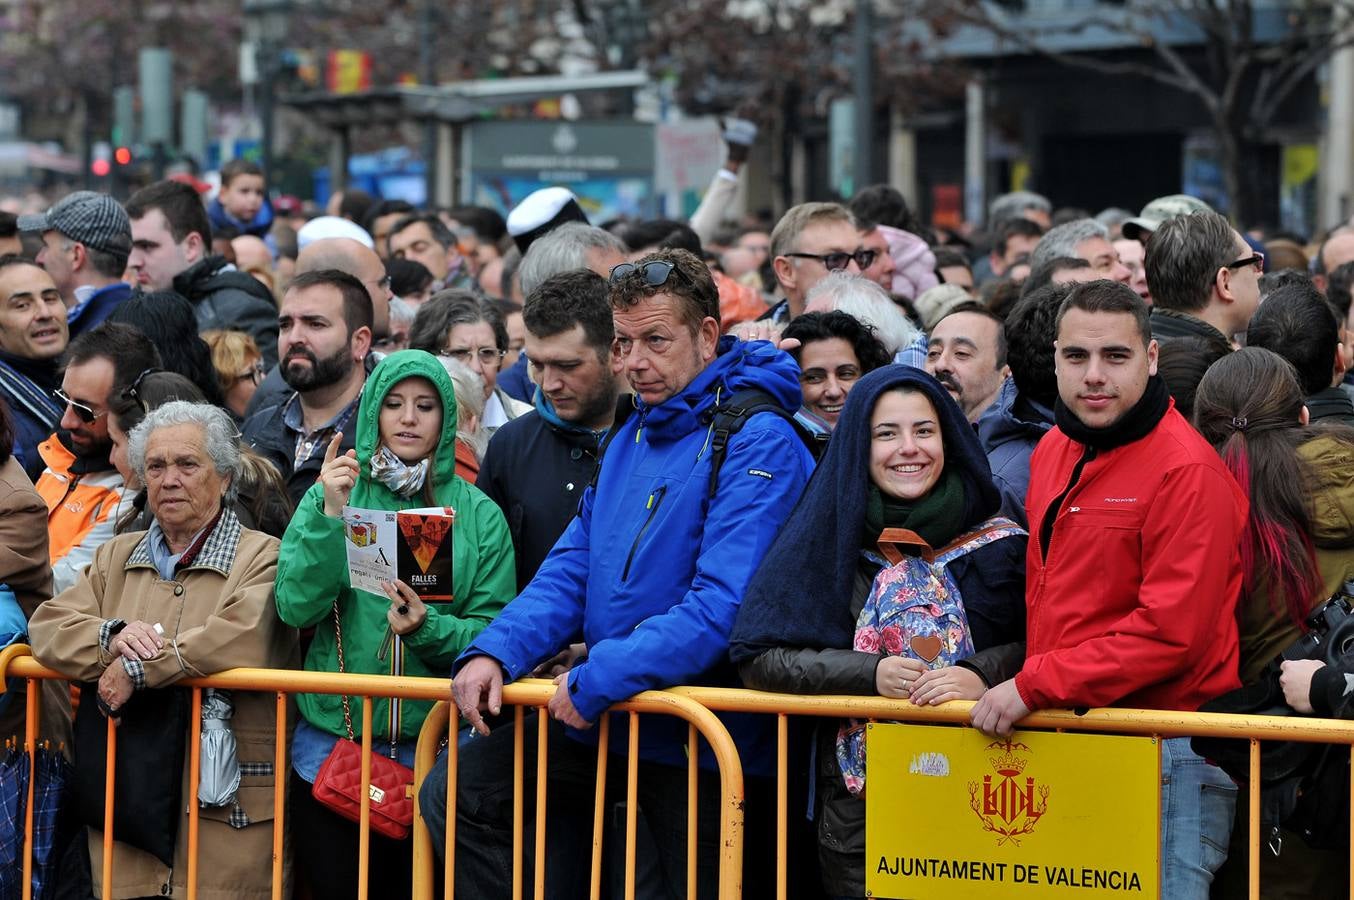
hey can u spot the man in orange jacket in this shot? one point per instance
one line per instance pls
(1134, 566)
(83, 490)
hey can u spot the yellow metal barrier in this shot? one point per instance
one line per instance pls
(440, 725)
(16, 661)
(696, 706)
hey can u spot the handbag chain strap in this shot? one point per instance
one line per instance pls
(347, 708)
(338, 640)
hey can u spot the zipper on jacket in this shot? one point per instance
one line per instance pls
(655, 500)
(1051, 514)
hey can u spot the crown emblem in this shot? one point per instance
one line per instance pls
(1008, 805)
(1007, 763)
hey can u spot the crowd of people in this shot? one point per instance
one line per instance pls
(1059, 461)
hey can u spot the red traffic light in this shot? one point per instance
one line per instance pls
(122, 155)
(100, 167)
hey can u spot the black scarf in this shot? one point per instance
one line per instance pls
(1133, 425)
(936, 518)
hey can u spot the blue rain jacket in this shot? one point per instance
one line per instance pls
(652, 571)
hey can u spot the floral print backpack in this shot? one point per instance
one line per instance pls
(914, 609)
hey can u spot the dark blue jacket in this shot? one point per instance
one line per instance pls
(26, 387)
(226, 298)
(536, 470)
(267, 434)
(515, 381)
(1009, 431)
(804, 593)
(98, 307)
(653, 569)
(260, 227)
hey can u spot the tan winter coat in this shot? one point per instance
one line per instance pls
(27, 569)
(218, 614)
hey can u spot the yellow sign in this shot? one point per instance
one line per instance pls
(1300, 164)
(953, 813)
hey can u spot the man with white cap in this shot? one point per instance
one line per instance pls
(541, 212)
(324, 227)
(86, 237)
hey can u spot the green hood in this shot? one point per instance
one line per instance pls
(396, 367)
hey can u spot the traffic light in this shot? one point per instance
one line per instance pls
(122, 156)
(99, 163)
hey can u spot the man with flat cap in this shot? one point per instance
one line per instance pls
(86, 238)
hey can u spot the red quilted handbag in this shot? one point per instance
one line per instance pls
(338, 785)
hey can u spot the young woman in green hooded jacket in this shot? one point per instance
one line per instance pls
(404, 458)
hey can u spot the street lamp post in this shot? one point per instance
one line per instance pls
(863, 88)
(266, 24)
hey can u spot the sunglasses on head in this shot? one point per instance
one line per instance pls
(840, 259)
(655, 272)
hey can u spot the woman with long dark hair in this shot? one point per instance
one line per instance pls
(1297, 552)
(1299, 543)
(168, 320)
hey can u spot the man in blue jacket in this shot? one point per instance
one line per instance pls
(650, 574)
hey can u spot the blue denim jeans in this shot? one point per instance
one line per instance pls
(1198, 802)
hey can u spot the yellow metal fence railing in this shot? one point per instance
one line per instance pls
(696, 706)
(16, 662)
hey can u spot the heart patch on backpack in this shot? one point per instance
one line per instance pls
(927, 646)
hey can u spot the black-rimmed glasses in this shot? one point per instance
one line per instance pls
(840, 259)
(133, 391)
(1257, 260)
(255, 373)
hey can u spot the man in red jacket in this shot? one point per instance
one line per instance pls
(1134, 566)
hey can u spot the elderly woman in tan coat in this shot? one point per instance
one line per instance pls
(208, 584)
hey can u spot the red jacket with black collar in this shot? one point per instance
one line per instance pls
(1131, 594)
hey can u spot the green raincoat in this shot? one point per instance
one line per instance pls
(313, 569)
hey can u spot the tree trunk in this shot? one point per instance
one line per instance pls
(1229, 160)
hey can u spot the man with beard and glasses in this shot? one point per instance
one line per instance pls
(82, 488)
(324, 333)
(967, 354)
(538, 464)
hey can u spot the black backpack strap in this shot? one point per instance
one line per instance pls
(730, 417)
